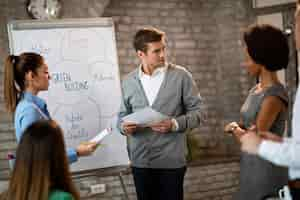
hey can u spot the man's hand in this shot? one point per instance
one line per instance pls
(270, 136)
(164, 126)
(250, 142)
(86, 149)
(129, 127)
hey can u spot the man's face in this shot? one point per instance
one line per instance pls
(155, 56)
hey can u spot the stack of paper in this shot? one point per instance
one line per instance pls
(145, 117)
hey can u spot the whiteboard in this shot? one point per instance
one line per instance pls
(84, 93)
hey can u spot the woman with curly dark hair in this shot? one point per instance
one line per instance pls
(266, 51)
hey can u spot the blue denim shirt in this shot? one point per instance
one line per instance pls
(26, 113)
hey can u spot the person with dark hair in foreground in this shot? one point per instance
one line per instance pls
(41, 170)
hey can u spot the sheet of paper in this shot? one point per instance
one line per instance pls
(145, 117)
(100, 136)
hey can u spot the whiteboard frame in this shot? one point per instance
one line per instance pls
(64, 23)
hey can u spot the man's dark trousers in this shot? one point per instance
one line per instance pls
(159, 184)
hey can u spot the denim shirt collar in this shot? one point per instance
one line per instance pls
(34, 99)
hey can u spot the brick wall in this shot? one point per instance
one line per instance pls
(209, 179)
(203, 36)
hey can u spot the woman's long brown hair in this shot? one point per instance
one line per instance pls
(15, 69)
(41, 164)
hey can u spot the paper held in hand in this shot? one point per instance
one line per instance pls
(97, 139)
(145, 117)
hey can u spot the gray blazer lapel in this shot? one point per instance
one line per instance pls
(139, 86)
(162, 89)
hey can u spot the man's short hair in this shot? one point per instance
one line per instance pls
(145, 36)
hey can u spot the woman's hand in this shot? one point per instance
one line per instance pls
(229, 128)
(235, 129)
(86, 149)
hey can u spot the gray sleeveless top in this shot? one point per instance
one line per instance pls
(260, 178)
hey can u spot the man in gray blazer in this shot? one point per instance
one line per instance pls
(157, 153)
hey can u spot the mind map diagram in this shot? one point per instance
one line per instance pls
(84, 93)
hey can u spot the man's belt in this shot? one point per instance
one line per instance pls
(295, 184)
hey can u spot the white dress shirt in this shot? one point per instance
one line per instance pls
(286, 153)
(151, 85)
